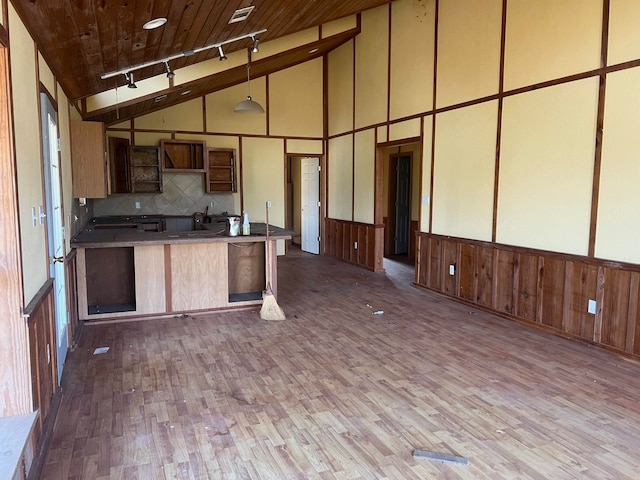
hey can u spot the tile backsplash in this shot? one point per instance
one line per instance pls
(183, 194)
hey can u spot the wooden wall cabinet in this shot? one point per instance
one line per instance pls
(88, 159)
(182, 155)
(146, 171)
(220, 170)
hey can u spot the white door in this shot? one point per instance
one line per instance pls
(55, 227)
(310, 196)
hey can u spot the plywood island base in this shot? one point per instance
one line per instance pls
(118, 281)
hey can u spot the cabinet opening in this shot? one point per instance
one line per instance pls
(246, 271)
(111, 284)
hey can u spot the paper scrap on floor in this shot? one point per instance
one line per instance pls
(100, 350)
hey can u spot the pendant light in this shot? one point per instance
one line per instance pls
(248, 105)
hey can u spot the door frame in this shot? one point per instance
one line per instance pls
(288, 205)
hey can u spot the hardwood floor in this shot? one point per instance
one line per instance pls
(338, 392)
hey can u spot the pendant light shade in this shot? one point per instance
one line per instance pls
(248, 105)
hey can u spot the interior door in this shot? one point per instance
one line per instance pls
(55, 227)
(403, 205)
(310, 199)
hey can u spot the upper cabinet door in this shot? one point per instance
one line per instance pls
(88, 160)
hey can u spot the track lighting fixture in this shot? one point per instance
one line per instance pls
(129, 77)
(170, 74)
(187, 53)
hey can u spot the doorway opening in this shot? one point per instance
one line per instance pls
(303, 214)
(55, 224)
(398, 176)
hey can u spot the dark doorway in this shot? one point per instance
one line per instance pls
(399, 208)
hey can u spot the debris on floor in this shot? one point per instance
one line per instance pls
(440, 457)
(100, 350)
(378, 312)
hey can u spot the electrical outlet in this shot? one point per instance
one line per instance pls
(269, 204)
(452, 269)
(355, 245)
(592, 307)
(34, 217)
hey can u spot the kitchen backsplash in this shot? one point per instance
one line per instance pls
(183, 194)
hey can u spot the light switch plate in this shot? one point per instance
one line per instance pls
(452, 269)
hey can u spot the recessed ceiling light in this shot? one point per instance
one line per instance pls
(313, 50)
(186, 92)
(241, 14)
(155, 23)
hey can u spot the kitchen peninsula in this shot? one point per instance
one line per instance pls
(159, 266)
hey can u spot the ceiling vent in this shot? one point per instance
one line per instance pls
(241, 14)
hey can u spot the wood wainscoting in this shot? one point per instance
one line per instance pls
(342, 236)
(546, 289)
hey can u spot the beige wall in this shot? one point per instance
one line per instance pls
(371, 62)
(364, 176)
(412, 57)
(179, 117)
(340, 177)
(425, 181)
(468, 50)
(28, 155)
(619, 203)
(465, 156)
(624, 34)
(549, 39)
(546, 167)
(340, 89)
(222, 119)
(290, 89)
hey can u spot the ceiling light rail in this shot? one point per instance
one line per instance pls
(187, 53)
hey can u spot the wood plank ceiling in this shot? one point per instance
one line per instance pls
(84, 39)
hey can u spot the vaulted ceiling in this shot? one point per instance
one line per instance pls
(83, 39)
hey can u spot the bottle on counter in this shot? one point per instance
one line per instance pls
(245, 224)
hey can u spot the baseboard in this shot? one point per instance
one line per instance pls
(42, 448)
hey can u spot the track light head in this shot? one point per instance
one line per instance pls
(221, 53)
(129, 77)
(170, 74)
(255, 46)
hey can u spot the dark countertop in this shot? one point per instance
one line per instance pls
(126, 231)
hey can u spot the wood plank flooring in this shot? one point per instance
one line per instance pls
(336, 392)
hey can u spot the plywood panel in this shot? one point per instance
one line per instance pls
(340, 89)
(468, 50)
(624, 35)
(618, 227)
(553, 292)
(549, 39)
(464, 172)
(288, 90)
(546, 167)
(485, 276)
(199, 277)
(615, 308)
(505, 281)
(149, 279)
(527, 286)
(340, 177)
(467, 271)
(305, 146)
(450, 257)
(371, 89)
(45, 75)
(436, 264)
(584, 280)
(412, 58)
(364, 176)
